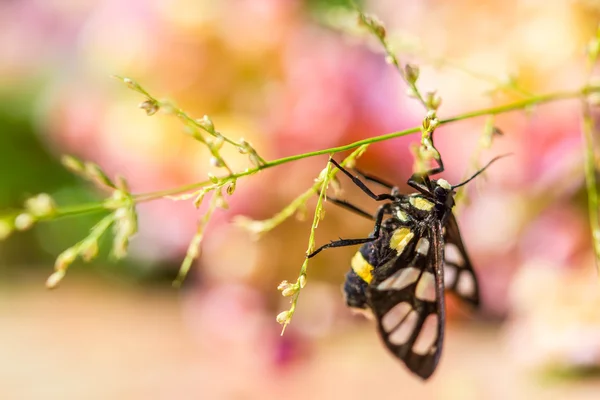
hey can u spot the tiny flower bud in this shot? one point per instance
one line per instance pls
(322, 175)
(221, 203)
(119, 248)
(411, 73)
(65, 258)
(5, 229)
(373, 23)
(130, 83)
(283, 317)
(380, 31)
(72, 163)
(54, 279)
(124, 229)
(426, 143)
(254, 159)
(284, 284)
(206, 123)
(218, 142)
(212, 178)
(243, 149)
(150, 106)
(41, 205)
(24, 221)
(231, 188)
(130, 225)
(122, 184)
(321, 215)
(302, 281)
(216, 162)
(432, 100)
(90, 251)
(199, 198)
(94, 173)
(289, 291)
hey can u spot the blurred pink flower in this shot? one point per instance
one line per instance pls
(555, 322)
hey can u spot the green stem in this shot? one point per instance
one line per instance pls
(379, 32)
(518, 105)
(590, 178)
(311, 239)
(75, 210)
(588, 130)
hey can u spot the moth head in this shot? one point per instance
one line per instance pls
(443, 192)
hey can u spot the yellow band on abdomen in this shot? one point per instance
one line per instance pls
(362, 267)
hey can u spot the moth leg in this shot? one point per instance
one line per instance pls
(350, 207)
(374, 179)
(361, 185)
(420, 181)
(385, 208)
(438, 169)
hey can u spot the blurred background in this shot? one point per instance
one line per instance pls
(290, 76)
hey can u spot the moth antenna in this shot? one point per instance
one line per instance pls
(481, 170)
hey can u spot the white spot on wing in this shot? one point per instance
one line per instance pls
(426, 287)
(365, 312)
(393, 317)
(423, 246)
(450, 274)
(400, 279)
(466, 284)
(453, 255)
(427, 336)
(405, 330)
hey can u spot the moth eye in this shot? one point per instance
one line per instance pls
(439, 191)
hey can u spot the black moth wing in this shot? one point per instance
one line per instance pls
(459, 276)
(408, 301)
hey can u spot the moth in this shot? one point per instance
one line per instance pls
(400, 272)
